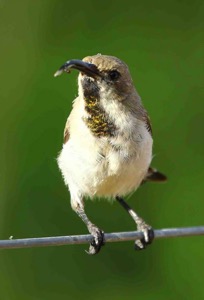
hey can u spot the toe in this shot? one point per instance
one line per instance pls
(140, 245)
(149, 236)
(146, 240)
(97, 241)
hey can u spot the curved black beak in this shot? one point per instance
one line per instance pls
(84, 67)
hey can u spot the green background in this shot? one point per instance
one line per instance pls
(162, 42)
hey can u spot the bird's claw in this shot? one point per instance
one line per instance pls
(97, 241)
(148, 237)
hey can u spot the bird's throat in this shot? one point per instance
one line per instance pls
(97, 120)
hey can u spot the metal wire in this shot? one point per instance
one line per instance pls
(109, 237)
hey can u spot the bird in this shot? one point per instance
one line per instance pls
(107, 148)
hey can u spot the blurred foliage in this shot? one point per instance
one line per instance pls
(162, 42)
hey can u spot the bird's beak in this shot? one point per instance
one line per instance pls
(84, 67)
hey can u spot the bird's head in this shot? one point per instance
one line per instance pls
(102, 76)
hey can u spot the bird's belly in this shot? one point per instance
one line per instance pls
(92, 174)
(123, 175)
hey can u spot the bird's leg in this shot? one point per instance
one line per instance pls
(141, 226)
(98, 234)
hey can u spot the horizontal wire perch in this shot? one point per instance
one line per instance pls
(109, 237)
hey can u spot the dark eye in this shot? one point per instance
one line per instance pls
(114, 75)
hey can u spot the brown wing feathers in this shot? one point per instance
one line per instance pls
(154, 175)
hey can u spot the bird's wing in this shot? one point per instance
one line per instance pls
(154, 175)
(75, 110)
(148, 123)
(66, 132)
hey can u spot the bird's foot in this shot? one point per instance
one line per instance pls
(147, 232)
(98, 239)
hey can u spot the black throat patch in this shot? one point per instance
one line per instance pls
(97, 120)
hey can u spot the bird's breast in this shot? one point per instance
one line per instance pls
(105, 166)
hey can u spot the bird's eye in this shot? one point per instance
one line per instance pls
(114, 75)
